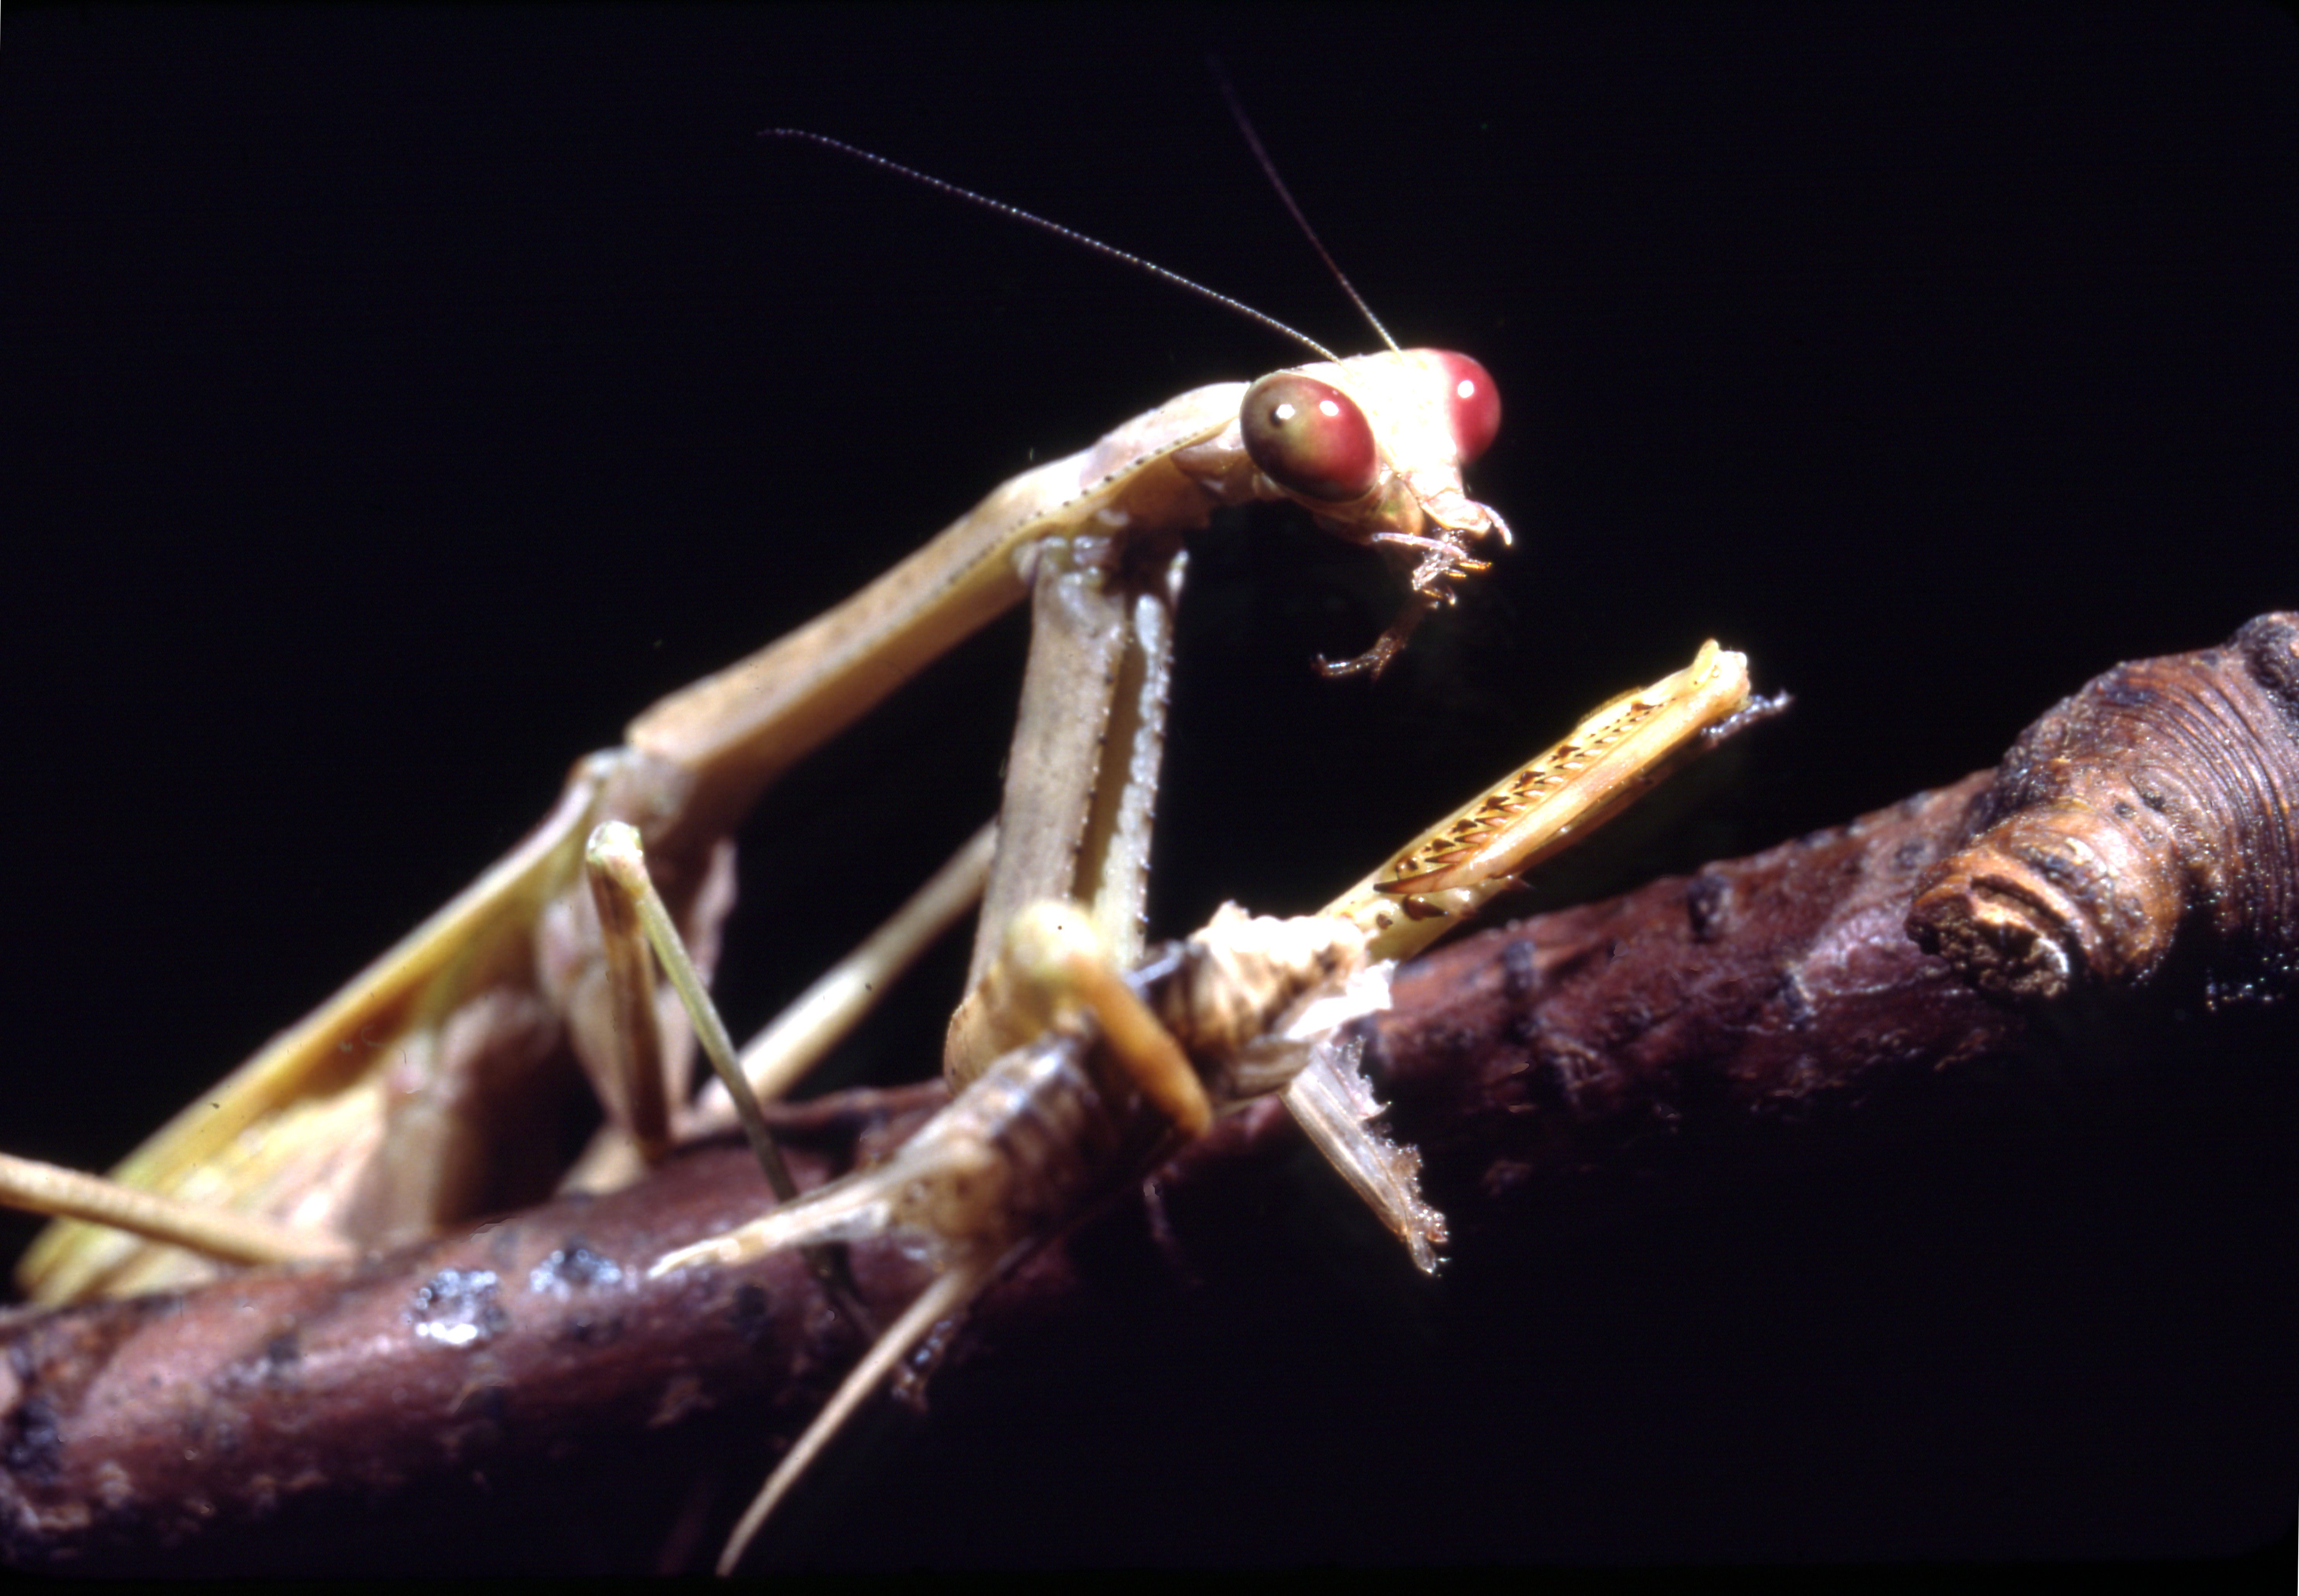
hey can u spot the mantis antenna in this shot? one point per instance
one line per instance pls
(823, 141)
(1300, 218)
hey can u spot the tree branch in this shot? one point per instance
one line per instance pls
(2118, 895)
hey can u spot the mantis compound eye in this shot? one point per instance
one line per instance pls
(1310, 438)
(1473, 404)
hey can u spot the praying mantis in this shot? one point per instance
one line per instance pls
(318, 1140)
(486, 988)
(483, 990)
(491, 985)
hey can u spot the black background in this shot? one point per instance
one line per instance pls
(398, 401)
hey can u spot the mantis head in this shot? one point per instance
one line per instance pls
(1374, 448)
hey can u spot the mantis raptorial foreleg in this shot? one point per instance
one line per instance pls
(1108, 1070)
(1081, 773)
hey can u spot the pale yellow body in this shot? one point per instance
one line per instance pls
(381, 1117)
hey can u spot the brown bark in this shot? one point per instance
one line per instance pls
(1688, 1039)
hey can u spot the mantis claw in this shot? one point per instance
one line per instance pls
(1386, 647)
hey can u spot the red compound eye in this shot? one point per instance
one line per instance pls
(1310, 438)
(1473, 404)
